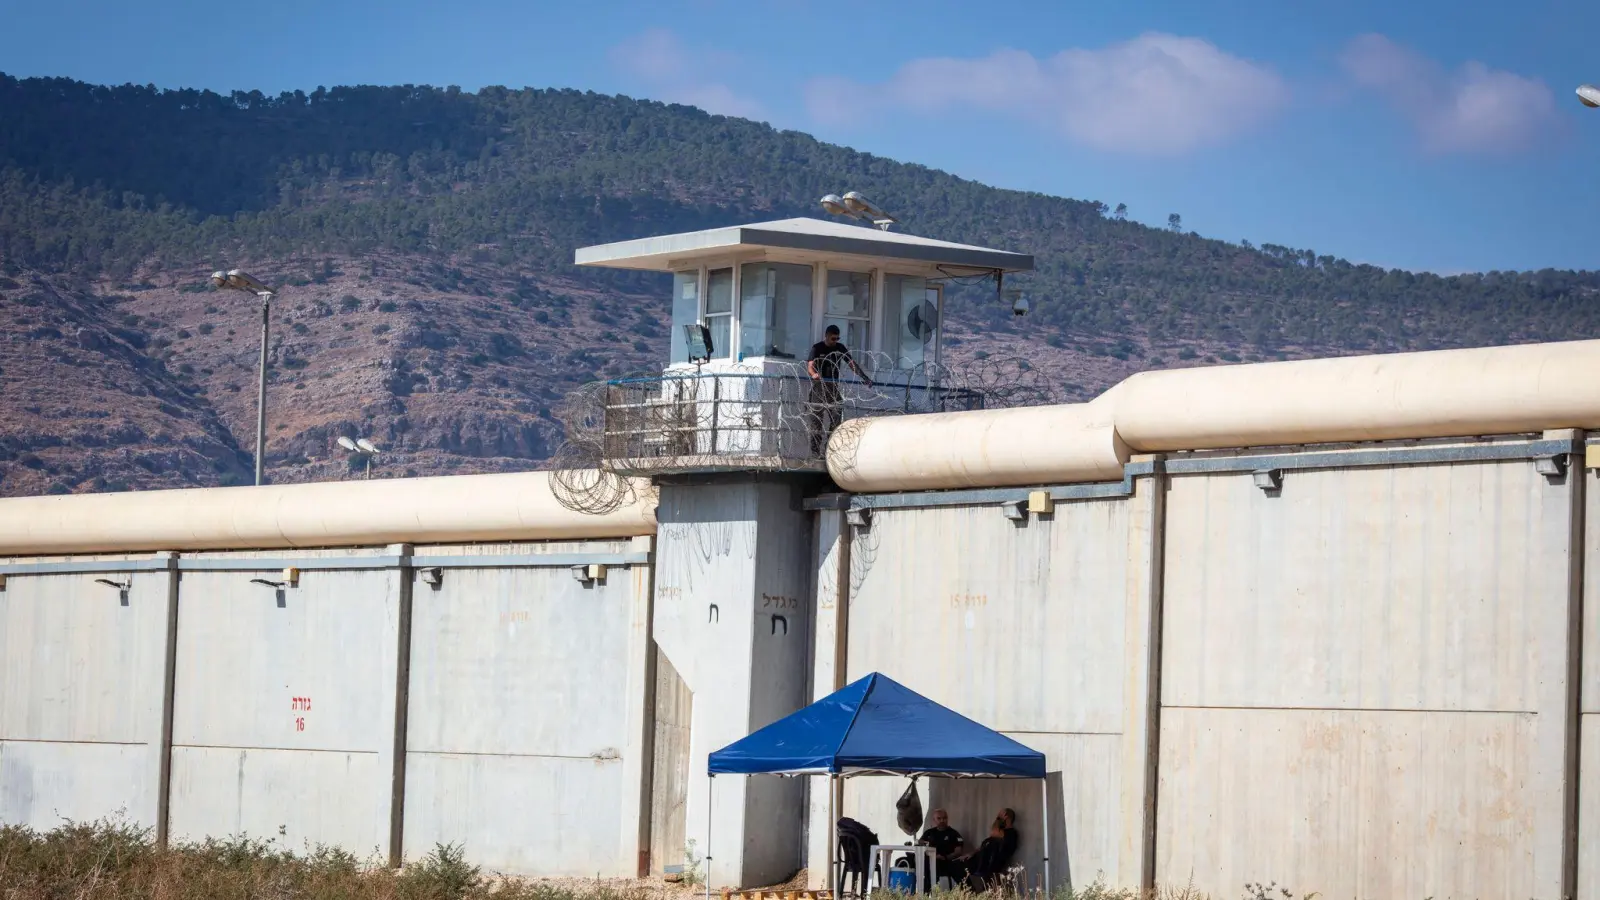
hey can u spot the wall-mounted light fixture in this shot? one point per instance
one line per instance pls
(122, 588)
(860, 517)
(1553, 468)
(1268, 480)
(433, 575)
(1013, 510)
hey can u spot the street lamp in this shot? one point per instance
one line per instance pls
(238, 280)
(1589, 95)
(360, 446)
(853, 204)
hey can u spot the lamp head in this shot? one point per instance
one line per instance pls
(1589, 95)
(366, 445)
(347, 444)
(240, 280)
(861, 205)
(834, 205)
(219, 279)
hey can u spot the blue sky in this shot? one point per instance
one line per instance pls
(1422, 135)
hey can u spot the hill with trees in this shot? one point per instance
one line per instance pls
(426, 236)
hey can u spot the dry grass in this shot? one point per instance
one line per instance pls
(110, 860)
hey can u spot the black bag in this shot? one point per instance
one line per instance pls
(908, 810)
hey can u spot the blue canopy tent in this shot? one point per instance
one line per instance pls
(876, 726)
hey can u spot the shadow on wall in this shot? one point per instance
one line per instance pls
(973, 803)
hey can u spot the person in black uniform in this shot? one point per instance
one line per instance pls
(824, 409)
(945, 841)
(993, 856)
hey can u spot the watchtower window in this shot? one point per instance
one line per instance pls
(719, 311)
(775, 310)
(849, 306)
(685, 310)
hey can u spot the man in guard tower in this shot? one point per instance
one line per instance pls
(825, 407)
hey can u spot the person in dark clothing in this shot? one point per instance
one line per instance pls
(824, 407)
(993, 856)
(945, 841)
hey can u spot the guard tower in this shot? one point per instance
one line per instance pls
(748, 302)
(729, 432)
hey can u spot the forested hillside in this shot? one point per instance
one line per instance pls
(448, 219)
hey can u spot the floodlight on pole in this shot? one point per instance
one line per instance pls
(853, 204)
(240, 280)
(361, 447)
(1589, 95)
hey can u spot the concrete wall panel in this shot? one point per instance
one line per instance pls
(519, 814)
(1023, 628)
(521, 700)
(1589, 811)
(81, 696)
(298, 798)
(45, 783)
(1396, 588)
(1375, 663)
(948, 598)
(1348, 803)
(669, 780)
(284, 714)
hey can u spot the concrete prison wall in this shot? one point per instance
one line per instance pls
(390, 698)
(1362, 669)
(1352, 671)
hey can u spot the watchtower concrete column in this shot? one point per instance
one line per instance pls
(733, 561)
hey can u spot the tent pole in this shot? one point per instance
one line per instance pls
(835, 880)
(1044, 793)
(711, 782)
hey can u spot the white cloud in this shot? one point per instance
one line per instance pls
(671, 69)
(1158, 94)
(1474, 109)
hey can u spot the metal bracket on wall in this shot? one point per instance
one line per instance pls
(1444, 454)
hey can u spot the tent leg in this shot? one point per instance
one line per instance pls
(1044, 793)
(711, 782)
(835, 878)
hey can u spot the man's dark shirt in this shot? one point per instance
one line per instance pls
(944, 840)
(1008, 845)
(828, 359)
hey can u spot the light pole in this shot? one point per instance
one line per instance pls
(238, 280)
(363, 447)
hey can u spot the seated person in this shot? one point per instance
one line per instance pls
(945, 841)
(993, 856)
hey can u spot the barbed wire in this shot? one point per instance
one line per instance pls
(771, 416)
